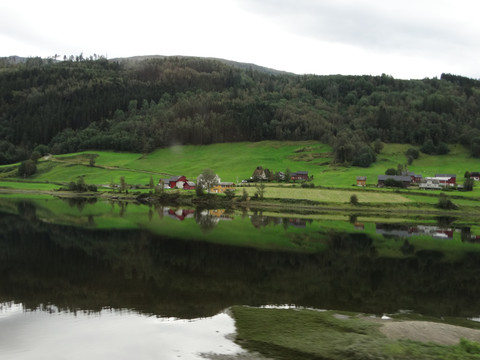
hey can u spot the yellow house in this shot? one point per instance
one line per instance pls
(221, 187)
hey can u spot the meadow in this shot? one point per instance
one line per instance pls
(237, 161)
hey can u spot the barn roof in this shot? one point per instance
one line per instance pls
(394, 177)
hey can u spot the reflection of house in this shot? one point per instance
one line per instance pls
(359, 226)
(299, 175)
(403, 180)
(299, 223)
(180, 214)
(361, 181)
(435, 231)
(405, 230)
(216, 212)
(222, 186)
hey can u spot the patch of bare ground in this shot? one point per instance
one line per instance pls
(427, 331)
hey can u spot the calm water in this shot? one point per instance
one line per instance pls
(112, 281)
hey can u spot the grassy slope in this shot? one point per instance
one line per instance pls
(237, 161)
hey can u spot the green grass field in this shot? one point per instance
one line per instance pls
(237, 161)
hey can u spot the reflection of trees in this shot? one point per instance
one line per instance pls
(27, 210)
(88, 269)
(80, 202)
(206, 221)
(259, 220)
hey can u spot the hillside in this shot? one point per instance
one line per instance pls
(235, 162)
(143, 104)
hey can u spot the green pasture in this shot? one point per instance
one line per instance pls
(458, 161)
(237, 161)
(327, 195)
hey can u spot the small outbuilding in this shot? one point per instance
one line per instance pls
(361, 181)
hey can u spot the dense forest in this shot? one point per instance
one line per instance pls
(49, 106)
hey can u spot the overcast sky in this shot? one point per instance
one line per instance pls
(403, 38)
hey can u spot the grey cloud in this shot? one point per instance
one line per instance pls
(365, 24)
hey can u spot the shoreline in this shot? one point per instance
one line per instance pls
(213, 201)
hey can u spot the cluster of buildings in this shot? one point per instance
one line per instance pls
(261, 174)
(181, 182)
(407, 179)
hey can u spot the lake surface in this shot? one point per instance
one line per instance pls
(98, 279)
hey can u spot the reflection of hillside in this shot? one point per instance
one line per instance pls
(88, 269)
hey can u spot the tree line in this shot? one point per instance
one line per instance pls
(66, 106)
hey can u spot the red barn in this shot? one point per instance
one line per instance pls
(299, 175)
(447, 179)
(189, 185)
(177, 181)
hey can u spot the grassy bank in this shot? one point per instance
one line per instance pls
(309, 334)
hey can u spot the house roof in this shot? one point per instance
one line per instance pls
(394, 177)
(446, 175)
(175, 178)
(361, 178)
(225, 183)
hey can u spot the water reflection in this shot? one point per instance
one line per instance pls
(415, 230)
(47, 333)
(191, 263)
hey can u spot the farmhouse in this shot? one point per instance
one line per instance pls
(475, 175)
(403, 181)
(179, 182)
(165, 183)
(430, 183)
(189, 185)
(414, 178)
(299, 175)
(222, 186)
(361, 181)
(447, 179)
(260, 174)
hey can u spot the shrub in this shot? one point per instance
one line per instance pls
(92, 187)
(244, 195)
(365, 157)
(445, 203)
(354, 199)
(468, 184)
(230, 194)
(413, 153)
(27, 168)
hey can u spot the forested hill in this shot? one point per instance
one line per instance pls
(81, 104)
